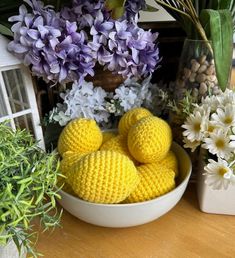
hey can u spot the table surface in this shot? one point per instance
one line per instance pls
(185, 231)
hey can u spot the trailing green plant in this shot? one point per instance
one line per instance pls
(209, 20)
(28, 178)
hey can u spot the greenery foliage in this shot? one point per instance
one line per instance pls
(27, 188)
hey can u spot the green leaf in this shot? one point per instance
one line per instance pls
(220, 31)
(116, 6)
(218, 4)
(5, 31)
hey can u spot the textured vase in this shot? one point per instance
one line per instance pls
(213, 201)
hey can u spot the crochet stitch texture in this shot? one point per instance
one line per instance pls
(149, 140)
(170, 161)
(104, 177)
(130, 118)
(107, 136)
(155, 181)
(80, 135)
(69, 158)
(119, 144)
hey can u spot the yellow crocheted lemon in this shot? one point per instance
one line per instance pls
(69, 158)
(119, 144)
(170, 161)
(130, 118)
(104, 177)
(80, 135)
(154, 182)
(107, 136)
(149, 139)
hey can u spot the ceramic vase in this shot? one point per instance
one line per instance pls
(213, 201)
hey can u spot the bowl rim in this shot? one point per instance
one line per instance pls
(136, 203)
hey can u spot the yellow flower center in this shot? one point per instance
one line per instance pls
(211, 128)
(228, 120)
(219, 144)
(222, 171)
(197, 127)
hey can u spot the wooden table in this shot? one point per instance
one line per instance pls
(184, 232)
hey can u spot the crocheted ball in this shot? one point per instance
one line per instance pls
(107, 136)
(130, 118)
(104, 177)
(80, 135)
(119, 144)
(170, 161)
(154, 182)
(149, 139)
(69, 158)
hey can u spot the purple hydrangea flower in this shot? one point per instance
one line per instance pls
(127, 50)
(51, 46)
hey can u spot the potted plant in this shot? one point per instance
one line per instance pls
(27, 191)
(210, 126)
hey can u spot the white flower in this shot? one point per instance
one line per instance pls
(126, 97)
(61, 118)
(226, 97)
(193, 126)
(192, 145)
(218, 144)
(224, 117)
(218, 174)
(211, 101)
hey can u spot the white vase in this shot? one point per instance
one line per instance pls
(214, 201)
(10, 251)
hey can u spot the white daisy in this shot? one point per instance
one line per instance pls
(218, 174)
(226, 97)
(225, 117)
(218, 144)
(193, 127)
(211, 101)
(191, 145)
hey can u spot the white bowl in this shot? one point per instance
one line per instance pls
(128, 215)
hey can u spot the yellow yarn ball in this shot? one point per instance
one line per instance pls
(130, 118)
(80, 135)
(119, 144)
(104, 177)
(170, 161)
(107, 136)
(154, 182)
(69, 158)
(149, 139)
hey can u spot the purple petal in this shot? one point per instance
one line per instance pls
(39, 44)
(43, 31)
(33, 34)
(55, 67)
(63, 74)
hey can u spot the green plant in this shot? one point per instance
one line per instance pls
(27, 188)
(203, 19)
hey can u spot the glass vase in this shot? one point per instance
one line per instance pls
(196, 72)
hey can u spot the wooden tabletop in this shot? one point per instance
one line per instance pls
(184, 232)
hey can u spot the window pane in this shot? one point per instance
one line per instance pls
(16, 90)
(3, 110)
(25, 122)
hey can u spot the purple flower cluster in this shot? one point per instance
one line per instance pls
(51, 46)
(123, 47)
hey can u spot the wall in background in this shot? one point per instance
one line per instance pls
(160, 15)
